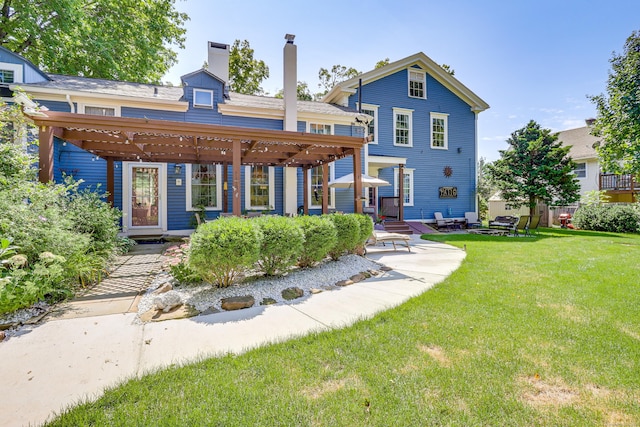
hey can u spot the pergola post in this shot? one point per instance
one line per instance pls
(225, 187)
(110, 181)
(45, 154)
(401, 192)
(236, 183)
(325, 188)
(357, 181)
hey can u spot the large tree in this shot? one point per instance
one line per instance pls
(113, 39)
(535, 167)
(618, 119)
(302, 92)
(330, 78)
(246, 73)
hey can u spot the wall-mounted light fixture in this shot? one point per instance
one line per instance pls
(177, 169)
(459, 150)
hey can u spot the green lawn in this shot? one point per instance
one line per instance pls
(528, 331)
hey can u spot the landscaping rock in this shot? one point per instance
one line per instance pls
(237, 303)
(385, 268)
(366, 274)
(292, 293)
(5, 326)
(167, 301)
(182, 312)
(165, 287)
(3, 335)
(268, 301)
(357, 278)
(344, 283)
(315, 291)
(210, 310)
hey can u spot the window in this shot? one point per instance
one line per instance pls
(259, 187)
(439, 134)
(402, 127)
(320, 128)
(417, 86)
(202, 98)
(580, 170)
(6, 76)
(372, 129)
(316, 187)
(407, 196)
(204, 187)
(99, 111)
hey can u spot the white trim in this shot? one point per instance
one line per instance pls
(188, 183)
(17, 71)
(116, 107)
(126, 198)
(407, 171)
(247, 190)
(407, 112)
(445, 117)
(268, 113)
(374, 109)
(424, 82)
(320, 123)
(198, 105)
(332, 191)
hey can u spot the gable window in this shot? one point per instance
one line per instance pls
(6, 76)
(417, 84)
(372, 128)
(315, 198)
(202, 98)
(439, 133)
(259, 187)
(10, 73)
(407, 196)
(580, 170)
(402, 127)
(204, 189)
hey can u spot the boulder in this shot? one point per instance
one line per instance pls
(315, 290)
(292, 293)
(357, 278)
(385, 268)
(3, 335)
(344, 282)
(268, 301)
(165, 287)
(237, 303)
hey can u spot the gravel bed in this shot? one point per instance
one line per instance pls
(204, 297)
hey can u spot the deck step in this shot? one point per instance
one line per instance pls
(400, 227)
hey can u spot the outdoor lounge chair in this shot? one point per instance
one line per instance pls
(521, 226)
(442, 222)
(385, 236)
(472, 219)
(533, 226)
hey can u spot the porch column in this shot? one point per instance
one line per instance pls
(237, 163)
(305, 190)
(110, 181)
(225, 187)
(400, 192)
(45, 154)
(325, 188)
(357, 181)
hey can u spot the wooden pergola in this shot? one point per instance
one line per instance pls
(163, 141)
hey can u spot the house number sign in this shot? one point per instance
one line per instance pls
(448, 192)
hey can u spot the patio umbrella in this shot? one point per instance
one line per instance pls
(367, 181)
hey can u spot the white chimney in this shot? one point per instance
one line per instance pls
(218, 59)
(290, 85)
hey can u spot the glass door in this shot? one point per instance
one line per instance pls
(144, 196)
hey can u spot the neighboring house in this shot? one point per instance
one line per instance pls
(619, 188)
(165, 152)
(500, 207)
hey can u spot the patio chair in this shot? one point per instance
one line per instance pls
(533, 226)
(521, 226)
(442, 222)
(472, 220)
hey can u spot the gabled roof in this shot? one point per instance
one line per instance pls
(202, 70)
(426, 64)
(26, 61)
(581, 141)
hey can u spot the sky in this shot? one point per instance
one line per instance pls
(528, 59)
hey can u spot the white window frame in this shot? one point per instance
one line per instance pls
(82, 107)
(332, 191)
(195, 96)
(374, 109)
(583, 169)
(444, 117)
(17, 71)
(424, 83)
(406, 112)
(189, 193)
(407, 171)
(247, 190)
(311, 124)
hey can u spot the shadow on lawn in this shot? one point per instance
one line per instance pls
(542, 233)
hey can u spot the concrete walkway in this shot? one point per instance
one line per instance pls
(73, 358)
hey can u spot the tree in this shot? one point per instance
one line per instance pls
(303, 93)
(339, 73)
(113, 39)
(381, 63)
(535, 167)
(448, 69)
(245, 73)
(485, 187)
(618, 112)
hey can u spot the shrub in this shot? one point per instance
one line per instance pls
(319, 238)
(281, 244)
(366, 229)
(223, 249)
(347, 234)
(607, 217)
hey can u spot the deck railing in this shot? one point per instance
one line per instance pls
(610, 181)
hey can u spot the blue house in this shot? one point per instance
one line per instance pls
(163, 152)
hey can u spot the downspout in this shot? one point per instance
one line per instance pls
(71, 106)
